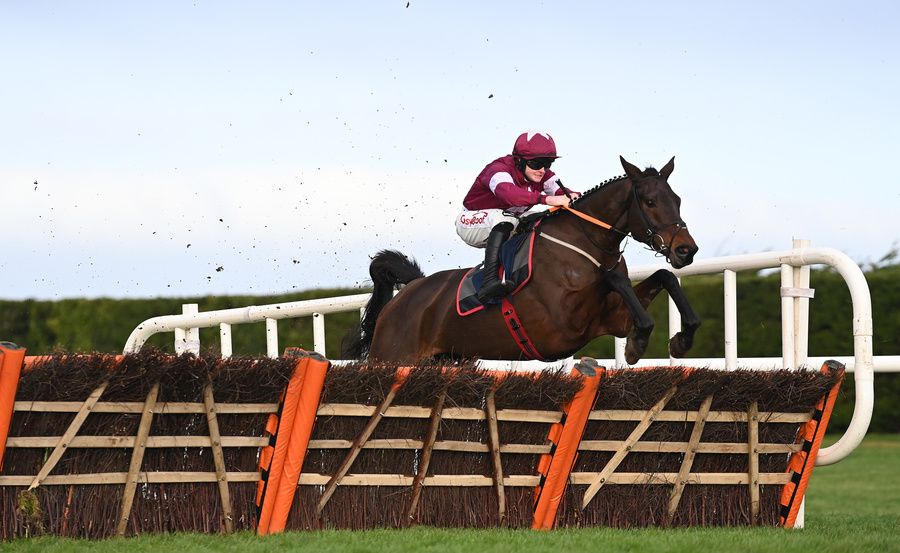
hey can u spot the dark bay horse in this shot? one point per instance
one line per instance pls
(579, 288)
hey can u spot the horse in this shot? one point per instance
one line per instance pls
(579, 287)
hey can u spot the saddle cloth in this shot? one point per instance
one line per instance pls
(516, 263)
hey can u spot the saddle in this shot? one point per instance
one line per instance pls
(516, 264)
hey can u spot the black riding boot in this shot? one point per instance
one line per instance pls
(491, 287)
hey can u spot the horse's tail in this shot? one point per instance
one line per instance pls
(388, 269)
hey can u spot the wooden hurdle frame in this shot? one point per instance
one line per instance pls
(293, 437)
(70, 440)
(608, 475)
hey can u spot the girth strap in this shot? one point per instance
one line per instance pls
(571, 247)
(514, 325)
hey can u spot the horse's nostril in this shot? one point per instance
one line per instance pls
(683, 250)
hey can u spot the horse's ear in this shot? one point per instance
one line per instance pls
(630, 170)
(667, 170)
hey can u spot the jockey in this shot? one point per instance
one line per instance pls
(504, 191)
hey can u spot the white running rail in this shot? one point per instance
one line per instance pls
(795, 293)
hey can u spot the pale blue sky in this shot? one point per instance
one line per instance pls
(322, 132)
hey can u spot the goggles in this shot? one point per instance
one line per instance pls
(539, 163)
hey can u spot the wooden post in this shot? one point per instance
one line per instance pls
(137, 457)
(633, 438)
(357, 446)
(494, 441)
(689, 454)
(67, 511)
(753, 452)
(64, 440)
(215, 439)
(427, 448)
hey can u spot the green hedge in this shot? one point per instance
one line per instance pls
(104, 324)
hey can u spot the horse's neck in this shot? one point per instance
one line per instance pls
(610, 204)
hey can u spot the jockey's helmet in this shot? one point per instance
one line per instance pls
(531, 145)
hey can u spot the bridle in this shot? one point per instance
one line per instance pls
(652, 234)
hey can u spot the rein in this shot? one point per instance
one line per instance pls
(586, 217)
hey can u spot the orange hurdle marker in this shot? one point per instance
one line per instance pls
(11, 360)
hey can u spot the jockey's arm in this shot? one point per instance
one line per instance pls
(562, 199)
(514, 196)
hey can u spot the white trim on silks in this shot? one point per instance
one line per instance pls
(499, 178)
(551, 185)
(531, 134)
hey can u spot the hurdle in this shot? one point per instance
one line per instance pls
(535, 463)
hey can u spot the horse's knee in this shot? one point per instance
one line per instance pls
(666, 277)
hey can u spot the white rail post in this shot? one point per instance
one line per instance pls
(187, 340)
(730, 293)
(788, 353)
(319, 333)
(225, 340)
(674, 321)
(620, 352)
(801, 309)
(801, 337)
(180, 339)
(272, 338)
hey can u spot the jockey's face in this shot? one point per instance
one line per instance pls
(534, 175)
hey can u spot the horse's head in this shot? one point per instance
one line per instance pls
(654, 216)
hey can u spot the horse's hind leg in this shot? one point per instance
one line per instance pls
(663, 279)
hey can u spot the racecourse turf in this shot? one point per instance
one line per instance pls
(853, 506)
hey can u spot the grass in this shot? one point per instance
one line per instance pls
(851, 506)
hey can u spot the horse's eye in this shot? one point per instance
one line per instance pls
(650, 203)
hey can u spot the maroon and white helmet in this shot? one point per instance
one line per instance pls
(531, 145)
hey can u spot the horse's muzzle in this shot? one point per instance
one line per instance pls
(682, 255)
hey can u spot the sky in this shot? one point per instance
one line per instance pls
(211, 148)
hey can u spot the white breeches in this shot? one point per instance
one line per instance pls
(475, 226)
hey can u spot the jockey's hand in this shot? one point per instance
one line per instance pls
(558, 200)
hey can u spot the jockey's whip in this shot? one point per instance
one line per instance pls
(565, 190)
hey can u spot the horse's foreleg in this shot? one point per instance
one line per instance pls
(643, 324)
(682, 341)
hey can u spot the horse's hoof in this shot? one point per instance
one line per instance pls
(632, 355)
(634, 349)
(679, 345)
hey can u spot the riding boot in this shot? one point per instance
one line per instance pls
(491, 287)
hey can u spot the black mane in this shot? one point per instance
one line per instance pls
(648, 172)
(600, 186)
